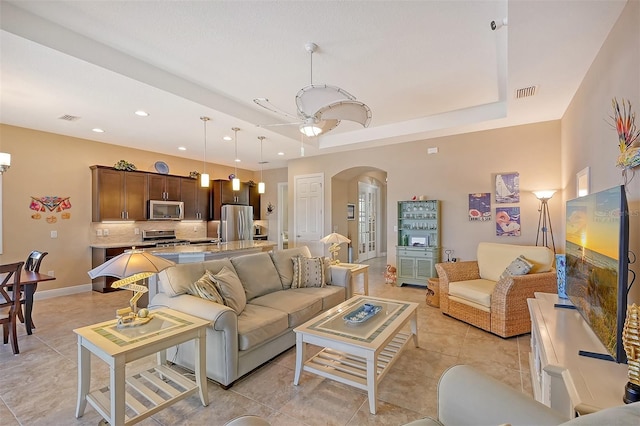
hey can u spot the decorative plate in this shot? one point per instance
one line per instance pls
(362, 314)
(161, 167)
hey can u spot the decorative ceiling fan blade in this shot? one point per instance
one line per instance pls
(264, 103)
(315, 96)
(327, 125)
(297, 123)
(346, 110)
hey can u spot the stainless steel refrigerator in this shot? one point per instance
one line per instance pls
(236, 223)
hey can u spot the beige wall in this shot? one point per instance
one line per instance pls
(588, 139)
(465, 164)
(46, 164)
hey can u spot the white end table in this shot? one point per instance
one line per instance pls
(358, 269)
(119, 346)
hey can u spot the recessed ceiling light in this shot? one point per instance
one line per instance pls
(227, 138)
(182, 148)
(97, 130)
(142, 113)
(281, 153)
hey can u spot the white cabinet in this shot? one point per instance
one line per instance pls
(562, 379)
(418, 248)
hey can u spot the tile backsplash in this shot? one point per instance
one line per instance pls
(125, 232)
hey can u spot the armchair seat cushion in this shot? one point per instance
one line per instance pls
(476, 292)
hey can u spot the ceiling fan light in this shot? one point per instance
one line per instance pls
(310, 130)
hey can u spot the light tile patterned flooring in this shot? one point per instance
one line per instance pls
(39, 385)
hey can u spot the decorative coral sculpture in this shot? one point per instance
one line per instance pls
(624, 121)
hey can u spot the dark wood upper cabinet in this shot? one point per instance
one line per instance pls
(164, 187)
(195, 199)
(254, 201)
(222, 193)
(117, 194)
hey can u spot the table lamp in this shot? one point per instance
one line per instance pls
(131, 266)
(335, 239)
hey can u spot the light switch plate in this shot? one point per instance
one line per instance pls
(54, 234)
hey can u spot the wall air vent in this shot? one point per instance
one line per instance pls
(526, 92)
(68, 117)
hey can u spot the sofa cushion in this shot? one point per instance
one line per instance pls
(257, 324)
(299, 306)
(331, 295)
(176, 279)
(258, 274)
(230, 288)
(205, 288)
(519, 266)
(282, 261)
(476, 291)
(308, 272)
(493, 258)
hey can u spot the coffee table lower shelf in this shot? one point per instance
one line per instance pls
(352, 369)
(154, 389)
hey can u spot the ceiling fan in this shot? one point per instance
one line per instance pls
(321, 107)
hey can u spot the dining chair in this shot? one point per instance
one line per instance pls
(32, 264)
(10, 296)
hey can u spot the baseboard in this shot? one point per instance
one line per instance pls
(64, 291)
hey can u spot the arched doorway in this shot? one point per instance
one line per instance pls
(365, 189)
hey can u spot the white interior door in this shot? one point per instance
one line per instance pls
(309, 211)
(368, 227)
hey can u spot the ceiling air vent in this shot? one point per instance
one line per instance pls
(526, 92)
(68, 117)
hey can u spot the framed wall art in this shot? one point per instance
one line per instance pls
(507, 188)
(351, 211)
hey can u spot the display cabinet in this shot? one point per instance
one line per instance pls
(418, 247)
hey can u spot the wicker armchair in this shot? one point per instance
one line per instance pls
(497, 305)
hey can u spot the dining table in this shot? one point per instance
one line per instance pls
(30, 279)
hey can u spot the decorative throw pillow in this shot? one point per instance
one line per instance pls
(206, 289)
(230, 288)
(308, 272)
(519, 266)
(327, 270)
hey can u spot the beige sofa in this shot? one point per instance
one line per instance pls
(481, 294)
(239, 342)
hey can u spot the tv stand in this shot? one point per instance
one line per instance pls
(561, 378)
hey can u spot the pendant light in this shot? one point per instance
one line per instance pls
(204, 177)
(261, 183)
(235, 182)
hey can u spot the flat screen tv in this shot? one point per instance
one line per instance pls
(597, 255)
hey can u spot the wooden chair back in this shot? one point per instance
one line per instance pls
(34, 260)
(10, 304)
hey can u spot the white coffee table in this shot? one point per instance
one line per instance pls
(358, 355)
(155, 388)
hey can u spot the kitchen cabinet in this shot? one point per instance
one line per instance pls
(164, 187)
(195, 199)
(118, 194)
(98, 257)
(254, 201)
(222, 193)
(418, 248)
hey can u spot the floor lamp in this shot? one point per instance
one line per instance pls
(544, 220)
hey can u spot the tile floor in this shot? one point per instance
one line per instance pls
(39, 385)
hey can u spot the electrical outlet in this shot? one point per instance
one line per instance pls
(51, 273)
(195, 229)
(54, 234)
(99, 232)
(136, 231)
(433, 150)
(105, 232)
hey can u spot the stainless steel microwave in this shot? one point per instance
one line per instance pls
(166, 210)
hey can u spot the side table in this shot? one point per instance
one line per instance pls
(358, 269)
(155, 388)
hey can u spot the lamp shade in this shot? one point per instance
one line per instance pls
(546, 194)
(335, 238)
(130, 263)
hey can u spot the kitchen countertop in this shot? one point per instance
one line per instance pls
(144, 244)
(213, 248)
